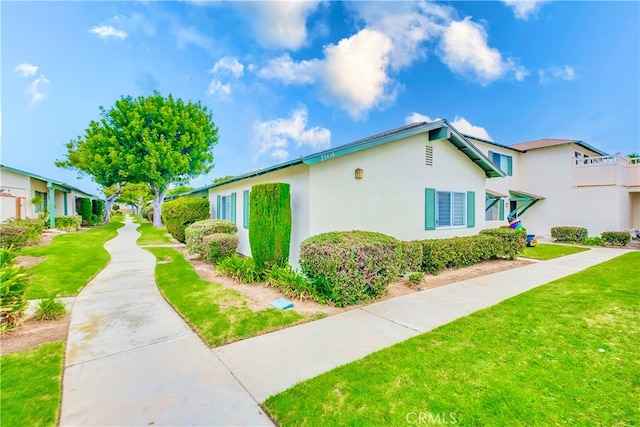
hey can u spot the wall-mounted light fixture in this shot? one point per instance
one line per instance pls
(359, 173)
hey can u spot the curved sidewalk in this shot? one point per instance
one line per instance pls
(131, 360)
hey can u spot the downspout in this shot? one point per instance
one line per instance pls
(52, 205)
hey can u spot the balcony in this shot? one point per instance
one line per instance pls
(607, 171)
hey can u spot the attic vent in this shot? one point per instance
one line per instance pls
(428, 155)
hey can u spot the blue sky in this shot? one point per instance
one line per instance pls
(285, 79)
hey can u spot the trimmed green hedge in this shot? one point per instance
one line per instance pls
(97, 208)
(13, 235)
(568, 234)
(457, 252)
(350, 267)
(199, 229)
(68, 222)
(219, 246)
(84, 208)
(410, 257)
(178, 214)
(147, 212)
(270, 224)
(616, 238)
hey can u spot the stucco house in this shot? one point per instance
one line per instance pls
(427, 180)
(18, 189)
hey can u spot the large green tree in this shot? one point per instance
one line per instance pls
(153, 140)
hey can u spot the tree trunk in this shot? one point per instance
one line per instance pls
(158, 199)
(107, 206)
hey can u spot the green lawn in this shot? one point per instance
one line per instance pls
(72, 260)
(563, 353)
(151, 235)
(218, 314)
(31, 386)
(545, 251)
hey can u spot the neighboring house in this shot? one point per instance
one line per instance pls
(19, 189)
(426, 180)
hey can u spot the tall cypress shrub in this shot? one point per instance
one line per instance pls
(270, 224)
(97, 208)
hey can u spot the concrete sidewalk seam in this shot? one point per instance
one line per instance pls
(390, 320)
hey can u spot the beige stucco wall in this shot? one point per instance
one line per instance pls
(391, 197)
(298, 178)
(635, 210)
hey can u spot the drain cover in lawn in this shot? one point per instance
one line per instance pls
(282, 303)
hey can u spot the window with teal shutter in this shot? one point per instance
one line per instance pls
(429, 208)
(245, 208)
(501, 203)
(218, 207)
(471, 209)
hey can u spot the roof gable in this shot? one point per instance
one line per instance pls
(551, 142)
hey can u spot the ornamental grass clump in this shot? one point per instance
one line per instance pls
(350, 267)
(13, 284)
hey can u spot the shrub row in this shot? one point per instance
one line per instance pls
(568, 234)
(35, 227)
(13, 235)
(68, 222)
(616, 238)
(178, 214)
(440, 254)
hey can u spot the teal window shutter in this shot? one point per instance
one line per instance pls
(471, 209)
(245, 208)
(429, 208)
(509, 165)
(233, 207)
(218, 204)
(501, 203)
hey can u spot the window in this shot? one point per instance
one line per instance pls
(449, 209)
(43, 198)
(226, 207)
(245, 208)
(494, 209)
(503, 162)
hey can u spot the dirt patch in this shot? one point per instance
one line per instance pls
(261, 295)
(28, 261)
(32, 333)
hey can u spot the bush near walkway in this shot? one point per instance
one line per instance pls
(178, 214)
(270, 224)
(195, 233)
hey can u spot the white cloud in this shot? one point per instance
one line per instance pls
(228, 65)
(106, 32)
(417, 118)
(463, 126)
(564, 72)
(191, 35)
(26, 70)
(218, 89)
(460, 123)
(465, 51)
(354, 72)
(280, 24)
(522, 9)
(36, 89)
(288, 71)
(276, 136)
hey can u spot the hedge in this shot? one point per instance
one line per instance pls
(457, 252)
(270, 224)
(178, 214)
(219, 246)
(97, 208)
(410, 257)
(147, 212)
(568, 234)
(616, 238)
(13, 284)
(199, 229)
(84, 209)
(350, 267)
(68, 222)
(13, 235)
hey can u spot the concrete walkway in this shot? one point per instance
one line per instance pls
(131, 360)
(271, 363)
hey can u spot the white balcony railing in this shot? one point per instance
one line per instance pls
(606, 170)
